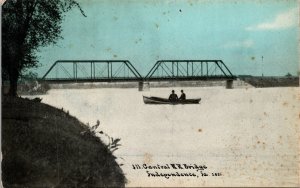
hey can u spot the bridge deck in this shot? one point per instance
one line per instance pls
(125, 79)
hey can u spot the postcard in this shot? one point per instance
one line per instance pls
(150, 93)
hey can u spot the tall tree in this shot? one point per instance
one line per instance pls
(28, 25)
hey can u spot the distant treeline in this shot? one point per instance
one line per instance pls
(271, 81)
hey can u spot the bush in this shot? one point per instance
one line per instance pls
(33, 87)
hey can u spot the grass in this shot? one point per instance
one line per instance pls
(43, 146)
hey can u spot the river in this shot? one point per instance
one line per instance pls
(249, 136)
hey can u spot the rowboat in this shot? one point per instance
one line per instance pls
(158, 100)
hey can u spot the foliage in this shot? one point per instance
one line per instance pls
(288, 74)
(26, 26)
(33, 87)
(29, 76)
(30, 85)
(113, 144)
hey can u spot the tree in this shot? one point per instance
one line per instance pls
(288, 74)
(28, 25)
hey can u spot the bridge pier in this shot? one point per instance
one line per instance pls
(229, 84)
(144, 86)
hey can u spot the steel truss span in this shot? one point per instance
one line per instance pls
(92, 70)
(123, 70)
(189, 70)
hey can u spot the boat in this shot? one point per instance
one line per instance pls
(158, 100)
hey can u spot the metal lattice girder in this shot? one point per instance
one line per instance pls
(189, 69)
(123, 70)
(94, 70)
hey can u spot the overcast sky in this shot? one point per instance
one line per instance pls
(144, 31)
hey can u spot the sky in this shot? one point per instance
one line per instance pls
(144, 31)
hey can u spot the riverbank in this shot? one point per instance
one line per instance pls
(271, 81)
(43, 146)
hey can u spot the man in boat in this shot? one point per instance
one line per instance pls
(173, 97)
(182, 96)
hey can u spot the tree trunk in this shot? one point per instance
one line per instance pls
(13, 83)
